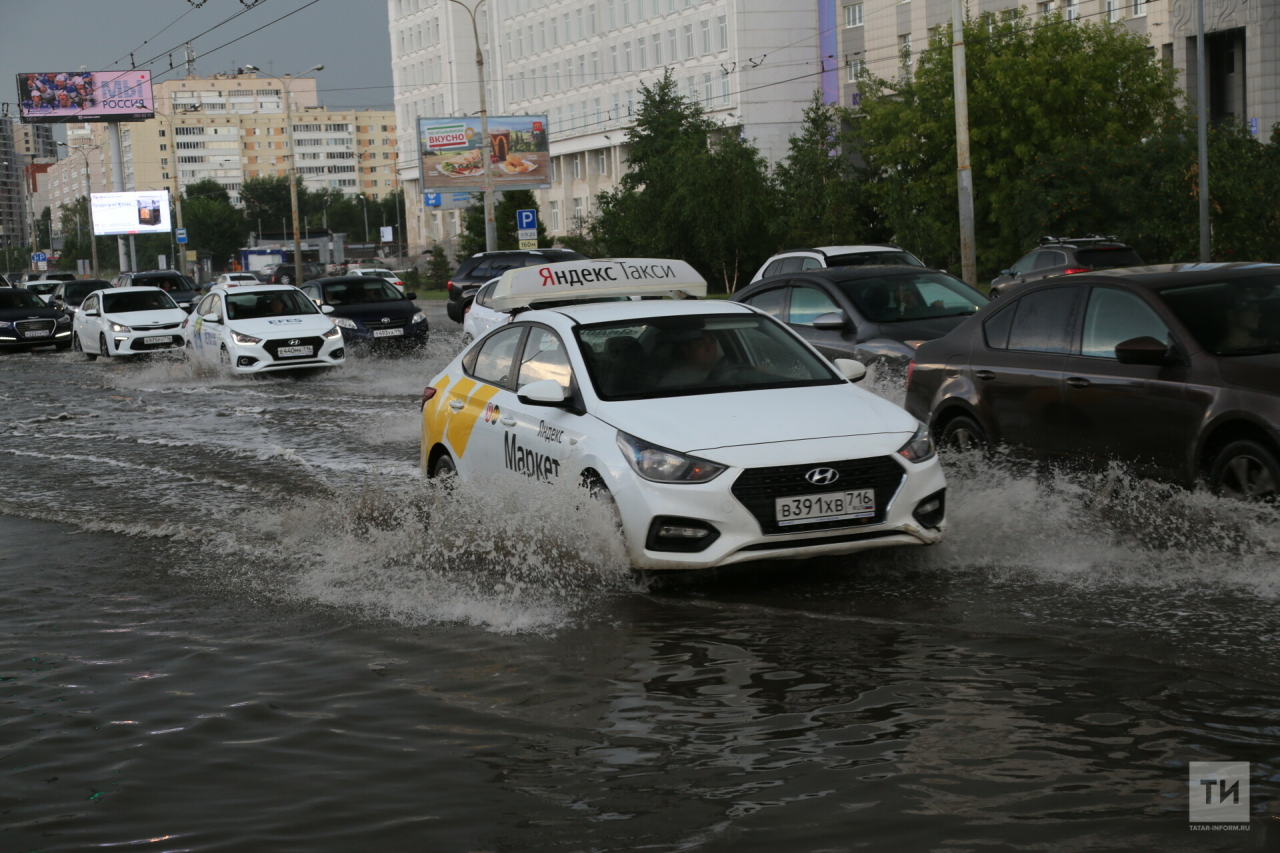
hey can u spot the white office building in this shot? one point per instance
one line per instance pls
(752, 64)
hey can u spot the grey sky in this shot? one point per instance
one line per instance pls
(349, 37)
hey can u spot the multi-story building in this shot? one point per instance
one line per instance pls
(751, 65)
(231, 127)
(1240, 42)
(13, 207)
(82, 170)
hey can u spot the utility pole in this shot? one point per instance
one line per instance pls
(117, 185)
(490, 225)
(1202, 128)
(964, 170)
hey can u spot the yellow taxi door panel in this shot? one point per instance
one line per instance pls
(433, 421)
(466, 402)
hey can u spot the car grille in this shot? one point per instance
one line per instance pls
(757, 488)
(159, 326)
(26, 327)
(390, 324)
(273, 347)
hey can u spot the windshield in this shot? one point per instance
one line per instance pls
(14, 298)
(1105, 259)
(360, 292)
(77, 291)
(271, 303)
(678, 356)
(138, 300)
(915, 296)
(863, 259)
(1240, 317)
(171, 283)
(43, 287)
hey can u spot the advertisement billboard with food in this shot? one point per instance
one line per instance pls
(451, 153)
(57, 96)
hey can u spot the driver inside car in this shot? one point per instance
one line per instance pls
(697, 355)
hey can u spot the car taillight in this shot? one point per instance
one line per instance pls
(911, 369)
(427, 394)
(1073, 270)
(449, 287)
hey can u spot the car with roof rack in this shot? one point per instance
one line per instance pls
(826, 257)
(1065, 256)
(718, 434)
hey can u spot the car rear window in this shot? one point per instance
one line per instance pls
(170, 282)
(1044, 321)
(1105, 259)
(903, 296)
(862, 259)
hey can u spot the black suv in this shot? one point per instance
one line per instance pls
(472, 273)
(182, 289)
(1065, 256)
(284, 274)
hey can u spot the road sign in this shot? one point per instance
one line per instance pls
(526, 219)
(528, 244)
(527, 234)
(181, 235)
(42, 265)
(37, 257)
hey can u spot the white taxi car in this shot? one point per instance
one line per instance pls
(122, 321)
(480, 318)
(719, 434)
(263, 329)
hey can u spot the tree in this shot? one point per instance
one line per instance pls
(213, 223)
(267, 200)
(1030, 90)
(438, 269)
(472, 238)
(207, 188)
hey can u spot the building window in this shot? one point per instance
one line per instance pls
(626, 57)
(904, 49)
(853, 68)
(673, 46)
(1139, 8)
(602, 161)
(657, 51)
(1111, 8)
(1072, 9)
(577, 168)
(722, 30)
(706, 36)
(555, 216)
(688, 41)
(724, 89)
(577, 212)
(853, 15)
(640, 57)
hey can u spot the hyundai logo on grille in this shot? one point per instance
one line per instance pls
(822, 476)
(294, 342)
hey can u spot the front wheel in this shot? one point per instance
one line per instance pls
(444, 469)
(76, 346)
(102, 345)
(962, 433)
(1246, 470)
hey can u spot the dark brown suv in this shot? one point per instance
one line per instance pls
(1173, 370)
(1064, 256)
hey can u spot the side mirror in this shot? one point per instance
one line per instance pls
(326, 309)
(851, 369)
(1144, 350)
(92, 313)
(411, 296)
(211, 318)
(832, 321)
(544, 392)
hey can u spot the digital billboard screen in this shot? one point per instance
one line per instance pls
(130, 213)
(450, 149)
(58, 96)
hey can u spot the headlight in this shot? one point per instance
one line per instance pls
(419, 317)
(665, 466)
(4, 325)
(920, 447)
(335, 332)
(245, 340)
(64, 319)
(116, 327)
(345, 323)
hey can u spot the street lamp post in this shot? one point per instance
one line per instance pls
(490, 226)
(177, 185)
(293, 169)
(88, 198)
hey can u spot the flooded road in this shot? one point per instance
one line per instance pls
(233, 618)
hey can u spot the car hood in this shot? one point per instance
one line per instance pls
(276, 327)
(160, 317)
(376, 310)
(1259, 372)
(918, 330)
(10, 315)
(729, 427)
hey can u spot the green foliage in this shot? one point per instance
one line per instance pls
(472, 238)
(208, 188)
(267, 200)
(438, 269)
(214, 225)
(73, 221)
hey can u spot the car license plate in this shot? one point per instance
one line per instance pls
(39, 333)
(158, 339)
(829, 506)
(291, 352)
(387, 333)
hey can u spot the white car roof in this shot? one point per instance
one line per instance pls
(130, 289)
(252, 288)
(606, 312)
(854, 250)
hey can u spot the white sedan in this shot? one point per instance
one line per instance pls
(235, 279)
(719, 434)
(480, 318)
(375, 272)
(263, 329)
(124, 321)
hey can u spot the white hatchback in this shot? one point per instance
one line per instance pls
(263, 329)
(719, 434)
(124, 321)
(235, 279)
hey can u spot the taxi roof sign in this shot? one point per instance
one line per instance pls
(592, 279)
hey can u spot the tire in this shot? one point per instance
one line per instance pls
(1246, 470)
(443, 468)
(963, 434)
(224, 357)
(77, 347)
(102, 345)
(467, 339)
(286, 279)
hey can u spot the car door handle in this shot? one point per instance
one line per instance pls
(457, 405)
(985, 374)
(1078, 382)
(507, 420)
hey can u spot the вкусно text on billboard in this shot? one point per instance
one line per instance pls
(450, 151)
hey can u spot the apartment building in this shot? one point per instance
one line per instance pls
(752, 65)
(1240, 43)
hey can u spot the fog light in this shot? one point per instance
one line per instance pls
(930, 511)
(680, 534)
(246, 361)
(340, 352)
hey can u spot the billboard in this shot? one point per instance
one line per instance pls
(58, 96)
(130, 213)
(449, 148)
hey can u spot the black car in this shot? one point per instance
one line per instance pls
(27, 322)
(1173, 370)
(70, 294)
(369, 310)
(1065, 256)
(872, 313)
(473, 272)
(284, 273)
(180, 288)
